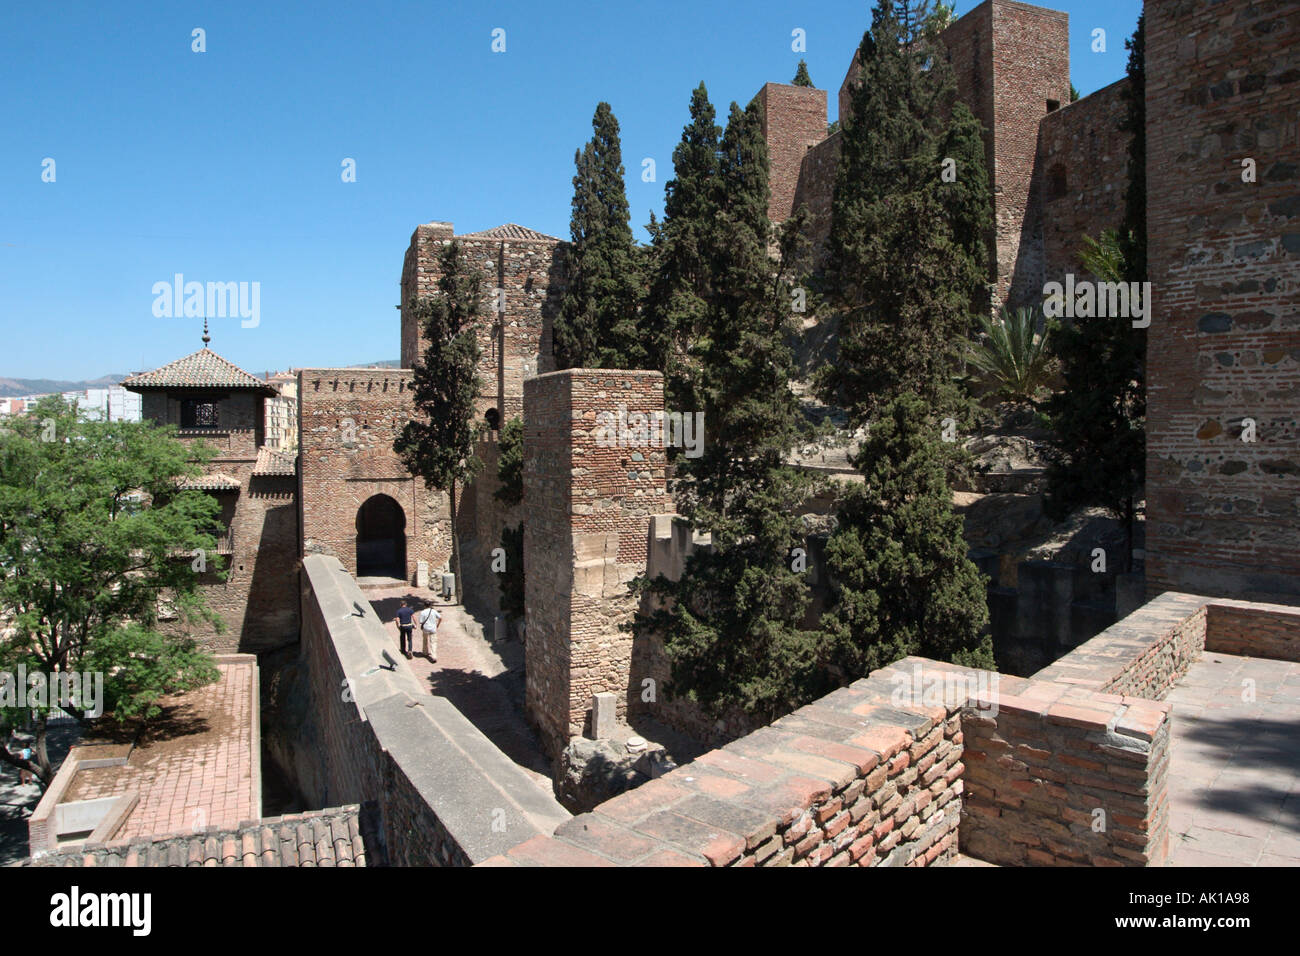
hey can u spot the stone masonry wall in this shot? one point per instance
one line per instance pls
(588, 509)
(515, 338)
(348, 419)
(1083, 171)
(1223, 86)
(794, 119)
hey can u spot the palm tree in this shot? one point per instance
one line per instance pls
(1012, 356)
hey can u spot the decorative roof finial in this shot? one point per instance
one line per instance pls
(206, 338)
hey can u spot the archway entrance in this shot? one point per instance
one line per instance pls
(381, 539)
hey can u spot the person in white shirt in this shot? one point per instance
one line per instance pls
(429, 619)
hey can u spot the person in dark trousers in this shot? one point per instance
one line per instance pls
(405, 628)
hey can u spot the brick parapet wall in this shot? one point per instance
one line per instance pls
(1063, 776)
(851, 779)
(1082, 175)
(1252, 629)
(446, 795)
(1143, 655)
(1223, 85)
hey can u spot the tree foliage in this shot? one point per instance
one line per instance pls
(902, 581)
(733, 625)
(1097, 452)
(510, 463)
(96, 532)
(597, 321)
(908, 253)
(1134, 234)
(801, 77)
(437, 443)
(1013, 355)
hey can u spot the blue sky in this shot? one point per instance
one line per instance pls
(226, 165)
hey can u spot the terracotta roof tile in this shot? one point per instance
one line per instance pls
(340, 836)
(272, 462)
(513, 232)
(202, 369)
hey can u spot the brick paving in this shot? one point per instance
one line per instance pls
(195, 768)
(482, 678)
(1234, 791)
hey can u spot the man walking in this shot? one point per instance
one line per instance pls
(405, 628)
(429, 620)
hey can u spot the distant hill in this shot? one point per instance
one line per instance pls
(16, 387)
(386, 363)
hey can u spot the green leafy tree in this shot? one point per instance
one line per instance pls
(1097, 451)
(681, 268)
(801, 77)
(437, 444)
(510, 463)
(1012, 354)
(902, 581)
(908, 253)
(733, 624)
(597, 321)
(96, 531)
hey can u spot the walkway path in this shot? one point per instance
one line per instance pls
(1234, 780)
(482, 678)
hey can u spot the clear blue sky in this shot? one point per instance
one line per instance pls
(225, 165)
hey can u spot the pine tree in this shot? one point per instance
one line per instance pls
(438, 444)
(903, 582)
(681, 276)
(597, 321)
(801, 77)
(908, 253)
(733, 629)
(1097, 451)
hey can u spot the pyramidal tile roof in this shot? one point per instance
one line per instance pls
(511, 231)
(202, 369)
(276, 463)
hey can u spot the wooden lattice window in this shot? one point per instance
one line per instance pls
(196, 413)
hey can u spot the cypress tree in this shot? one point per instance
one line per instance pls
(438, 443)
(898, 559)
(1134, 235)
(733, 630)
(801, 77)
(681, 276)
(907, 250)
(596, 323)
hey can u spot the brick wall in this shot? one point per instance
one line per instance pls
(1223, 84)
(588, 510)
(516, 341)
(348, 420)
(1063, 776)
(1082, 174)
(794, 119)
(1031, 65)
(1256, 630)
(858, 778)
(815, 189)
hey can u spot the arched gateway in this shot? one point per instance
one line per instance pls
(381, 539)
